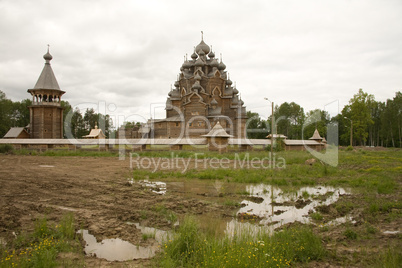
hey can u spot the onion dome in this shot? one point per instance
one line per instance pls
(211, 54)
(235, 91)
(196, 85)
(202, 47)
(168, 101)
(235, 100)
(229, 82)
(221, 66)
(176, 84)
(214, 102)
(186, 64)
(241, 102)
(194, 55)
(199, 63)
(181, 68)
(197, 77)
(214, 63)
(47, 56)
(170, 93)
(175, 93)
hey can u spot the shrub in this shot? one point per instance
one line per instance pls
(6, 148)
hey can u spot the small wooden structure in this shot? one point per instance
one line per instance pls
(218, 138)
(316, 142)
(17, 133)
(95, 133)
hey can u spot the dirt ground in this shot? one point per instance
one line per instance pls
(97, 191)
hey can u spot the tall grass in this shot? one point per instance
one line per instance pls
(42, 246)
(192, 248)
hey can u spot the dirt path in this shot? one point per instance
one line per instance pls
(95, 189)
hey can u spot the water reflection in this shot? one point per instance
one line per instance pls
(271, 207)
(115, 249)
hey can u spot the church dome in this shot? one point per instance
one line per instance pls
(197, 77)
(186, 64)
(202, 47)
(194, 55)
(196, 85)
(214, 102)
(211, 54)
(199, 63)
(221, 66)
(176, 84)
(229, 82)
(48, 56)
(214, 63)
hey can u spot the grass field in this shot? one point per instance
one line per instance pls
(373, 177)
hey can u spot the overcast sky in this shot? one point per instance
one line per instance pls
(126, 54)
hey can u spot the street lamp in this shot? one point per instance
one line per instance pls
(351, 130)
(272, 127)
(272, 155)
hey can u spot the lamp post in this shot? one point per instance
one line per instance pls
(272, 155)
(351, 130)
(272, 128)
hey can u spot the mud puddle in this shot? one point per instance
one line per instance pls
(116, 249)
(269, 205)
(157, 187)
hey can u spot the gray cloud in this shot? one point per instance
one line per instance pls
(129, 52)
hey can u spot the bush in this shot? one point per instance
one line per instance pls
(6, 148)
(248, 247)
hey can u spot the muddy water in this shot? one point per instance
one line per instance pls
(116, 249)
(280, 208)
(271, 208)
(264, 209)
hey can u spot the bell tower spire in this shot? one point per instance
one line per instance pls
(46, 113)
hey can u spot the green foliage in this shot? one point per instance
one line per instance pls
(6, 148)
(191, 247)
(350, 234)
(289, 119)
(389, 258)
(13, 114)
(316, 216)
(256, 127)
(41, 248)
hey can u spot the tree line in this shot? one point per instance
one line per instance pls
(16, 114)
(364, 122)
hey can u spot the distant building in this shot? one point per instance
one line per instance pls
(17, 133)
(316, 142)
(203, 95)
(95, 133)
(46, 113)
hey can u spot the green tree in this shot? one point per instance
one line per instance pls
(289, 119)
(359, 111)
(320, 125)
(256, 127)
(6, 108)
(391, 121)
(103, 122)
